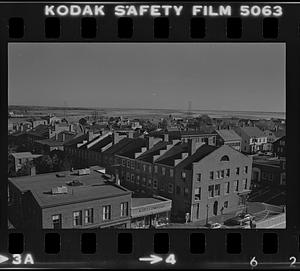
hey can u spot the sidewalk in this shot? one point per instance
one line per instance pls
(258, 209)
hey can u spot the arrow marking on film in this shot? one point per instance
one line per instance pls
(152, 259)
(3, 259)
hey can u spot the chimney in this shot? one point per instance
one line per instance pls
(166, 138)
(151, 142)
(116, 137)
(32, 171)
(193, 146)
(130, 134)
(90, 135)
(117, 179)
(71, 128)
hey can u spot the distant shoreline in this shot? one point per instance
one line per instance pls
(41, 107)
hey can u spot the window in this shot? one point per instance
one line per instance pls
(88, 216)
(198, 193)
(227, 187)
(211, 191)
(137, 166)
(137, 179)
(178, 190)
(56, 221)
(246, 169)
(226, 204)
(211, 175)
(186, 191)
(144, 181)
(237, 171)
(77, 218)
(170, 188)
(144, 167)
(228, 172)
(217, 190)
(127, 176)
(106, 215)
(149, 182)
(123, 162)
(128, 164)
(270, 176)
(264, 175)
(132, 164)
(155, 168)
(183, 175)
(171, 172)
(199, 177)
(132, 178)
(222, 173)
(245, 184)
(150, 169)
(225, 158)
(124, 209)
(155, 183)
(218, 174)
(236, 186)
(163, 171)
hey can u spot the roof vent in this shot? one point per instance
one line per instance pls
(84, 171)
(59, 190)
(75, 183)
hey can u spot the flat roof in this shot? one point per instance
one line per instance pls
(228, 135)
(94, 186)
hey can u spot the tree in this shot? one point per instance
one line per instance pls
(25, 169)
(44, 164)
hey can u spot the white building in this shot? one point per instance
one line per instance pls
(253, 139)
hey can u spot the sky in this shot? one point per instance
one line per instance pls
(213, 76)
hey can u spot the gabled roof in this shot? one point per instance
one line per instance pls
(278, 139)
(253, 131)
(41, 130)
(279, 133)
(97, 147)
(114, 149)
(78, 139)
(134, 147)
(172, 154)
(228, 135)
(147, 156)
(201, 152)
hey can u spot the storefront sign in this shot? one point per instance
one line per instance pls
(151, 209)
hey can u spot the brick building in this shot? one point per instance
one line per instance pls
(200, 179)
(80, 199)
(268, 171)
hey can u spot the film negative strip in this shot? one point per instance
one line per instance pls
(150, 134)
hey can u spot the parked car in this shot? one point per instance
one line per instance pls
(245, 217)
(211, 225)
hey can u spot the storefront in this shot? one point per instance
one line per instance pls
(150, 212)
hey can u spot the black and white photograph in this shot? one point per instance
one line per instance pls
(147, 135)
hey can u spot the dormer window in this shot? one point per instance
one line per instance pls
(225, 158)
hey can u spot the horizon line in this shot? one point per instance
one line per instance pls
(138, 108)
